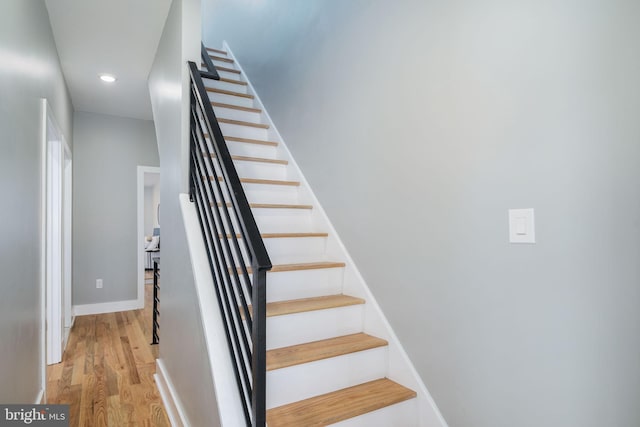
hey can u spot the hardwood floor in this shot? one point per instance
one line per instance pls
(106, 373)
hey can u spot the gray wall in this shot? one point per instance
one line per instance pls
(29, 70)
(183, 349)
(434, 118)
(106, 156)
(149, 212)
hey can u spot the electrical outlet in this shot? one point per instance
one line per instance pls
(99, 283)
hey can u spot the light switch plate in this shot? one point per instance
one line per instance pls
(522, 227)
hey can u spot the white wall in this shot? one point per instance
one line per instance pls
(107, 152)
(155, 204)
(29, 70)
(182, 350)
(418, 124)
(151, 201)
(148, 211)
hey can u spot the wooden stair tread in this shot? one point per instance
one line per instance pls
(222, 52)
(318, 350)
(260, 160)
(219, 68)
(281, 308)
(339, 405)
(221, 59)
(292, 235)
(247, 140)
(285, 235)
(250, 141)
(279, 268)
(307, 266)
(274, 206)
(270, 182)
(253, 159)
(232, 81)
(278, 206)
(228, 70)
(264, 181)
(243, 123)
(229, 92)
(236, 107)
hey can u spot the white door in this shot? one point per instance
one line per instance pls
(57, 239)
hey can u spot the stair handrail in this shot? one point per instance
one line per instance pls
(212, 72)
(232, 278)
(156, 301)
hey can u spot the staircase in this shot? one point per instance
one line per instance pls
(328, 357)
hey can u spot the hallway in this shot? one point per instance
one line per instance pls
(106, 373)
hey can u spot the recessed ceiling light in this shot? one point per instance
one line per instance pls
(108, 78)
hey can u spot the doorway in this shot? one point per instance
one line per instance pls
(57, 243)
(148, 224)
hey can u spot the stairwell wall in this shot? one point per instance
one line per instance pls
(418, 124)
(182, 347)
(29, 70)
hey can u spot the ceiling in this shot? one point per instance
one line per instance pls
(118, 37)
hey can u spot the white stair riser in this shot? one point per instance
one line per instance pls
(268, 193)
(270, 171)
(251, 150)
(280, 215)
(304, 284)
(324, 376)
(281, 250)
(231, 99)
(227, 75)
(254, 169)
(248, 169)
(223, 64)
(403, 414)
(230, 113)
(281, 225)
(313, 325)
(278, 220)
(289, 253)
(244, 131)
(226, 85)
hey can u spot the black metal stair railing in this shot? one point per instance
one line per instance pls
(237, 256)
(211, 72)
(156, 301)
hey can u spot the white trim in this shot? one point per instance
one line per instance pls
(43, 246)
(106, 307)
(170, 399)
(67, 330)
(224, 383)
(54, 241)
(140, 227)
(39, 398)
(67, 227)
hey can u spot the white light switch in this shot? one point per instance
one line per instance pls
(521, 226)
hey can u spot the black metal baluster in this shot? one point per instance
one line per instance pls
(210, 183)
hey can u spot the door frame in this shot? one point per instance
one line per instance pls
(142, 170)
(56, 237)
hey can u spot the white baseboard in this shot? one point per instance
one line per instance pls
(170, 399)
(40, 398)
(107, 307)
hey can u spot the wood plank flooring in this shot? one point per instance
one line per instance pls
(106, 373)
